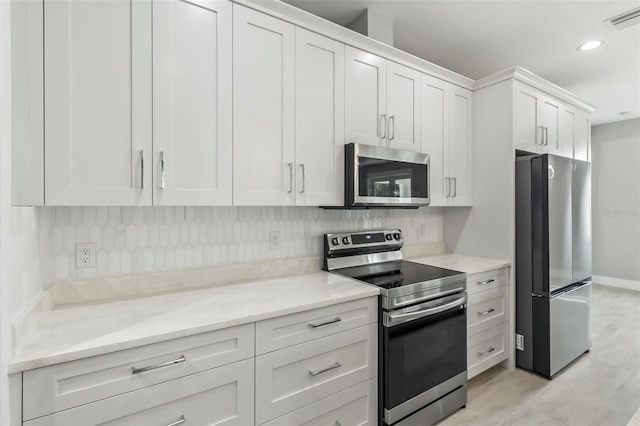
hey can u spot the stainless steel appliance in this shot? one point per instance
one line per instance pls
(423, 326)
(385, 177)
(553, 262)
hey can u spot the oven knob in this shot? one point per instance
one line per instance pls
(389, 237)
(335, 241)
(396, 236)
(345, 240)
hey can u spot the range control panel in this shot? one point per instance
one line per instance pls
(391, 238)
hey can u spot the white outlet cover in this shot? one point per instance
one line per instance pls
(85, 255)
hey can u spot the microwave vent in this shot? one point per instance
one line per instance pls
(624, 20)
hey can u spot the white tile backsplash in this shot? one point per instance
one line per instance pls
(133, 240)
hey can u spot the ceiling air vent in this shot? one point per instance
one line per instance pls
(624, 20)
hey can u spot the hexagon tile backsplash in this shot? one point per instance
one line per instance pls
(144, 239)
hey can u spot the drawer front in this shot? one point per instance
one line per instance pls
(220, 396)
(487, 280)
(289, 330)
(354, 406)
(486, 349)
(486, 310)
(299, 375)
(59, 387)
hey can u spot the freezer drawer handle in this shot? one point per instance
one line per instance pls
(178, 422)
(324, 370)
(180, 360)
(486, 282)
(320, 324)
(491, 349)
(488, 311)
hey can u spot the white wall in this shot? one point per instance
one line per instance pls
(616, 203)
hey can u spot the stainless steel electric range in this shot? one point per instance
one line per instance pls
(422, 326)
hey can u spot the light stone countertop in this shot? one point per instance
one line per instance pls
(458, 262)
(80, 331)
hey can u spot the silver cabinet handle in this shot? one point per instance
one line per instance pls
(541, 140)
(324, 370)
(491, 349)
(320, 324)
(142, 169)
(178, 422)
(546, 136)
(180, 360)
(488, 311)
(290, 165)
(383, 120)
(448, 185)
(303, 178)
(485, 282)
(161, 169)
(392, 130)
(455, 187)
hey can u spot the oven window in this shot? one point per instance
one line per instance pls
(421, 354)
(393, 179)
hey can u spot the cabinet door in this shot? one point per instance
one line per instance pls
(403, 107)
(528, 134)
(97, 61)
(319, 120)
(550, 119)
(458, 154)
(566, 130)
(263, 109)
(365, 97)
(434, 133)
(192, 101)
(582, 137)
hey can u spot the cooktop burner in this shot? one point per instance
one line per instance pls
(396, 274)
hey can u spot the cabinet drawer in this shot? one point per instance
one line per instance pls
(486, 309)
(220, 396)
(487, 280)
(354, 406)
(278, 333)
(59, 387)
(293, 377)
(486, 349)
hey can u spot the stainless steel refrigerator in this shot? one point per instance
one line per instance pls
(553, 262)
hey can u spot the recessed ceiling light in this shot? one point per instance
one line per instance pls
(590, 45)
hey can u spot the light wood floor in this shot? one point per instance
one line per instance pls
(602, 387)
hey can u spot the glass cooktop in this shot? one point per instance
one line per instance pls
(395, 274)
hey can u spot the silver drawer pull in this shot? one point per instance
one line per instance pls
(333, 367)
(486, 282)
(180, 360)
(488, 311)
(487, 351)
(178, 422)
(320, 324)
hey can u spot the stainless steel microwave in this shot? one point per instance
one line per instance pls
(385, 177)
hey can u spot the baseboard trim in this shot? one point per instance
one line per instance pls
(616, 282)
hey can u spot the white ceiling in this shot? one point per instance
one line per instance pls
(481, 37)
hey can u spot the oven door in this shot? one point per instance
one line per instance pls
(378, 176)
(424, 354)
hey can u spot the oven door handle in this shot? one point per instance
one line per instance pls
(391, 320)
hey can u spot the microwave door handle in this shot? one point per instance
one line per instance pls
(396, 319)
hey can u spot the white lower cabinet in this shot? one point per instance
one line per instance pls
(353, 406)
(220, 396)
(487, 320)
(293, 377)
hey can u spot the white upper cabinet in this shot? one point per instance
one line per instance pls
(319, 120)
(403, 107)
(550, 120)
(382, 101)
(566, 131)
(263, 109)
(537, 121)
(97, 61)
(582, 136)
(365, 97)
(446, 137)
(192, 98)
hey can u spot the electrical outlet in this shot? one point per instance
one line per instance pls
(520, 342)
(85, 255)
(274, 240)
